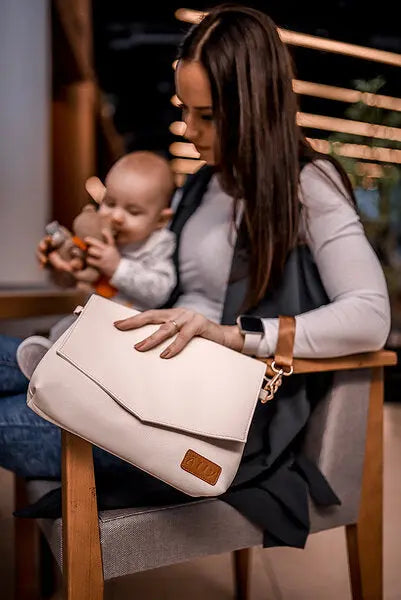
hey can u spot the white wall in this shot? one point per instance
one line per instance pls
(24, 137)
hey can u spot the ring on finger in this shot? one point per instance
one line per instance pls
(177, 329)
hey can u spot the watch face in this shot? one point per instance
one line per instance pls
(251, 324)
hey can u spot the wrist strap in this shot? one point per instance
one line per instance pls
(251, 343)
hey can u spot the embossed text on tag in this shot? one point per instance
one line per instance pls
(201, 467)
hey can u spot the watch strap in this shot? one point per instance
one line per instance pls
(251, 343)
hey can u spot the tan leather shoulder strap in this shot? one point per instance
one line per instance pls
(285, 343)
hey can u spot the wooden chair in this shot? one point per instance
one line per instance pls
(344, 436)
(115, 543)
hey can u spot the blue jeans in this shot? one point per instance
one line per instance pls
(29, 445)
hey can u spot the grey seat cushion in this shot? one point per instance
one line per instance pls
(137, 539)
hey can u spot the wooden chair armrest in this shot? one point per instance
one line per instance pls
(19, 304)
(381, 358)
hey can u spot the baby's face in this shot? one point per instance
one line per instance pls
(132, 208)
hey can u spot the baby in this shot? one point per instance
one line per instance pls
(136, 258)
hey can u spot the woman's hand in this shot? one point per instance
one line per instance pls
(103, 255)
(184, 322)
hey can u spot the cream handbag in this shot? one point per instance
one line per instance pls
(184, 420)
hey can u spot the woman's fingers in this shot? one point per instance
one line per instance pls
(145, 318)
(183, 322)
(189, 325)
(197, 325)
(187, 332)
(161, 335)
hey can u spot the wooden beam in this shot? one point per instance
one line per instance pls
(113, 140)
(78, 106)
(74, 149)
(75, 19)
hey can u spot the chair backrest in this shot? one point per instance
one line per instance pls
(335, 440)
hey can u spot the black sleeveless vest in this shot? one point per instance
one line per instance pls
(273, 482)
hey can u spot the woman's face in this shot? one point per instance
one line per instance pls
(193, 91)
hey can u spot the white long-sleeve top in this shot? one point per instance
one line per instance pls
(145, 276)
(357, 319)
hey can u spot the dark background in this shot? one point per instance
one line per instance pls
(135, 45)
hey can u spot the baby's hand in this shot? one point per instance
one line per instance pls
(50, 257)
(103, 255)
(60, 269)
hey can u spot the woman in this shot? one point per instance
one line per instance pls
(267, 227)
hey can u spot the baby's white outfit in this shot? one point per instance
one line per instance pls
(145, 276)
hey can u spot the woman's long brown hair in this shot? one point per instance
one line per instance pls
(260, 147)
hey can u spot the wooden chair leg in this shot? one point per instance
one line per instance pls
(365, 538)
(82, 558)
(242, 563)
(26, 544)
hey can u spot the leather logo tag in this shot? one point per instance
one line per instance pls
(201, 467)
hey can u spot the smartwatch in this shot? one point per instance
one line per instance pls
(252, 329)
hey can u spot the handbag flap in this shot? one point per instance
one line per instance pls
(207, 389)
